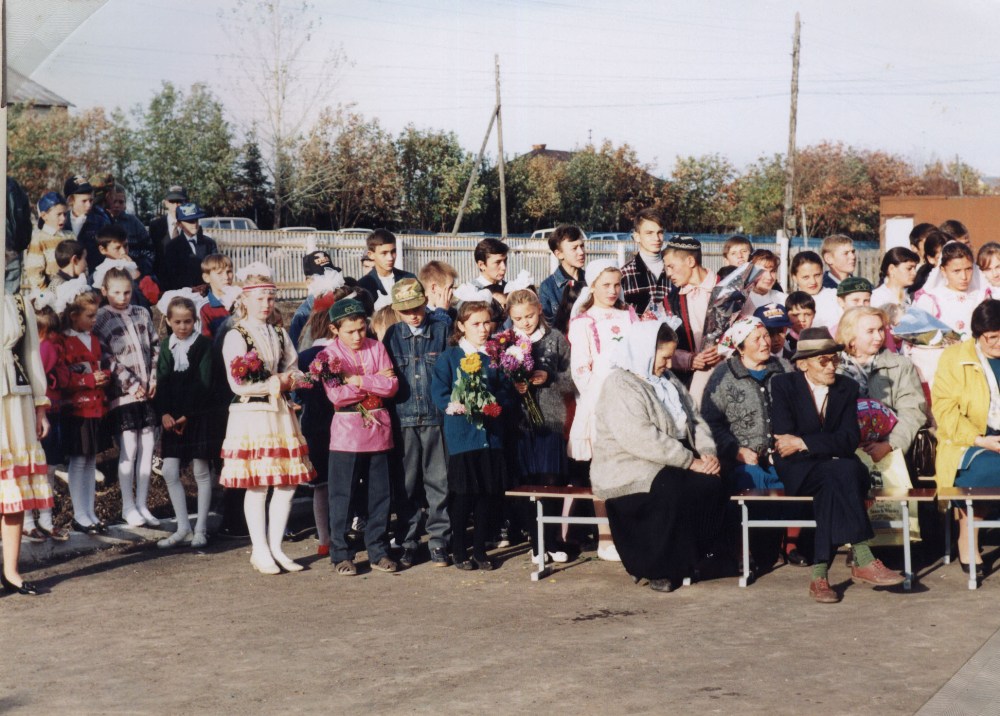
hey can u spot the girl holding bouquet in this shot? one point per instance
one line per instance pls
(474, 398)
(357, 375)
(600, 322)
(264, 447)
(541, 448)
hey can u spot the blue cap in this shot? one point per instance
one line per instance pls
(189, 212)
(773, 315)
(53, 198)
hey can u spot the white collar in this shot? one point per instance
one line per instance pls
(538, 335)
(50, 230)
(468, 347)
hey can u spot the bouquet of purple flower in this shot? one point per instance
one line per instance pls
(510, 353)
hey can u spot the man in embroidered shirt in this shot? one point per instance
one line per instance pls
(645, 282)
(816, 435)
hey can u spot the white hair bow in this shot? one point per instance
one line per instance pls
(67, 292)
(257, 268)
(196, 298)
(468, 292)
(229, 296)
(108, 264)
(327, 282)
(524, 280)
(40, 298)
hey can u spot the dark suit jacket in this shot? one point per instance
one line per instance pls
(372, 285)
(181, 268)
(160, 237)
(793, 412)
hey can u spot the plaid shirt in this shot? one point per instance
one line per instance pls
(643, 290)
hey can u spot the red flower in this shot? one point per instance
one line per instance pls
(372, 402)
(616, 330)
(492, 410)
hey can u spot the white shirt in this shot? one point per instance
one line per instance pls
(828, 311)
(820, 393)
(387, 282)
(884, 295)
(77, 222)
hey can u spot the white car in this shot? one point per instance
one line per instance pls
(228, 222)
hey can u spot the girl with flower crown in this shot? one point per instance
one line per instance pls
(264, 447)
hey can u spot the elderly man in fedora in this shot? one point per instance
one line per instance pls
(816, 433)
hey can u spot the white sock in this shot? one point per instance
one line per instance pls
(281, 507)
(254, 510)
(79, 475)
(144, 470)
(45, 518)
(321, 513)
(29, 521)
(128, 446)
(203, 478)
(172, 476)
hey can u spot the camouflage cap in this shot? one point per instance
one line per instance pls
(408, 293)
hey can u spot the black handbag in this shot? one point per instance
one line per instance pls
(922, 453)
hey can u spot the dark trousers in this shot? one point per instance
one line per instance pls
(838, 489)
(483, 509)
(345, 467)
(425, 476)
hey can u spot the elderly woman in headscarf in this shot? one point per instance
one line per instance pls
(654, 462)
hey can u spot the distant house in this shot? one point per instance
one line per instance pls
(540, 150)
(25, 91)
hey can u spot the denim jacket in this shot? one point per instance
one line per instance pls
(413, 357)
(551, 291)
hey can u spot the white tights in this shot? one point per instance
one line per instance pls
(203, 478)
(266, 532)
(135, 461)
(83, 488)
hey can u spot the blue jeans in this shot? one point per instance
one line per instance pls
(342, 483)
(755, 477)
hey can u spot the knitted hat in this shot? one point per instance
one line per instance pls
(345, 308)
(52, 198)
(189, 212)
(773, 315)
(816, 342)
(77, 185)
(854, 284)
(407, 294)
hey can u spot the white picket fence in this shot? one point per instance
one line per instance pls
(283, 252)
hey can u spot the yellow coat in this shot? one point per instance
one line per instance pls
(960, 402)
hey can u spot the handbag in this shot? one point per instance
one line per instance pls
(922, 454)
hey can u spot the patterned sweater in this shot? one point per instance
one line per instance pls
(130, 347)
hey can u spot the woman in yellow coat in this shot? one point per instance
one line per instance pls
(965, 401)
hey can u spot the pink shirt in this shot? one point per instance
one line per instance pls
(349, 431)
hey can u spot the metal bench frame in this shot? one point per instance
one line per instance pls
(968, 495)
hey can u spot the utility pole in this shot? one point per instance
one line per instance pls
(958, 175)
(500, 167)
(790, 159)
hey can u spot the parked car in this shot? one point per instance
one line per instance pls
(228, 222)
(611, 236)
(297, 228)
(542, 233)
(354, 230)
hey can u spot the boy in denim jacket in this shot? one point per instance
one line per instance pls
(414, 345)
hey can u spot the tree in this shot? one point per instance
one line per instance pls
(347, 169)
(700, 195)
(604, 189)
(760, 196)
(281, 87)
(433, 171)
(253, 190)
(534, 198)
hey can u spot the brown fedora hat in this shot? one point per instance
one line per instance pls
(815, 342)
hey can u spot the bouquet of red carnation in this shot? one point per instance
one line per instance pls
(469, 396)
(327, 368)
(510, 353)
(249, 368)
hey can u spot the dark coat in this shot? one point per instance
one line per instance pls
(181, 268)
(794, 413)
(372, 285)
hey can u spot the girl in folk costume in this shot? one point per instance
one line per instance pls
(357, 378)
(600, 321)
(264, 447)
(23, 480)
(129, 345)
(184, 382)
(85, 403)
(951, 294)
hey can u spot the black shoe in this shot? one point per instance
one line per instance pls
(980, 569)
(465, 565)
(85, 529)
(439, 557)
(661, 585)
(484, 563)
(795, 558)
(26, 588)
(230, 535)
(408, 558)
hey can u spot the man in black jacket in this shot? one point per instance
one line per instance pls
(816, 433)
(164, 228)
(184, 254)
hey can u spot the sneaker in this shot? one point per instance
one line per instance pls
(608, 552)
(439, 557)
(504, 537)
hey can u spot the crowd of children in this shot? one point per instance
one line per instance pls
(394, 394)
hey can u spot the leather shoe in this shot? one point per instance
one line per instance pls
(661, 585)
(820, 590)
(439, 557)
(877, 574)
(980, 569)
(408, 558)
(796, 558)
(85, 529)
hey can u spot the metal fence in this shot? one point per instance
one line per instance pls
(283, 252)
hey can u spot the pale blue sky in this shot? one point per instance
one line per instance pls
(915, 77)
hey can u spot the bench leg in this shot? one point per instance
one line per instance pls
(540, 542)
(745, 577)
(972, 544)
(907, 562)
(947, 534)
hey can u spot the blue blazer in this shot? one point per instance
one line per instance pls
(460, 435)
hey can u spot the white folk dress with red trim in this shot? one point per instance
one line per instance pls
(264, 445)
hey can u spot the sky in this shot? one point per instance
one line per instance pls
(918, 78)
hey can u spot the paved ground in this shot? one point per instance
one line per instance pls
(139, 631)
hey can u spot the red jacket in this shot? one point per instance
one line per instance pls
(56, 370)
(82, 397)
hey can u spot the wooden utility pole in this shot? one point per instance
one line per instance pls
(790, 159)
(500, 167)
(475, 172)
(958, 175)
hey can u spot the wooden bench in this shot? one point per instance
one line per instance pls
(968, 495)
(904, 497)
